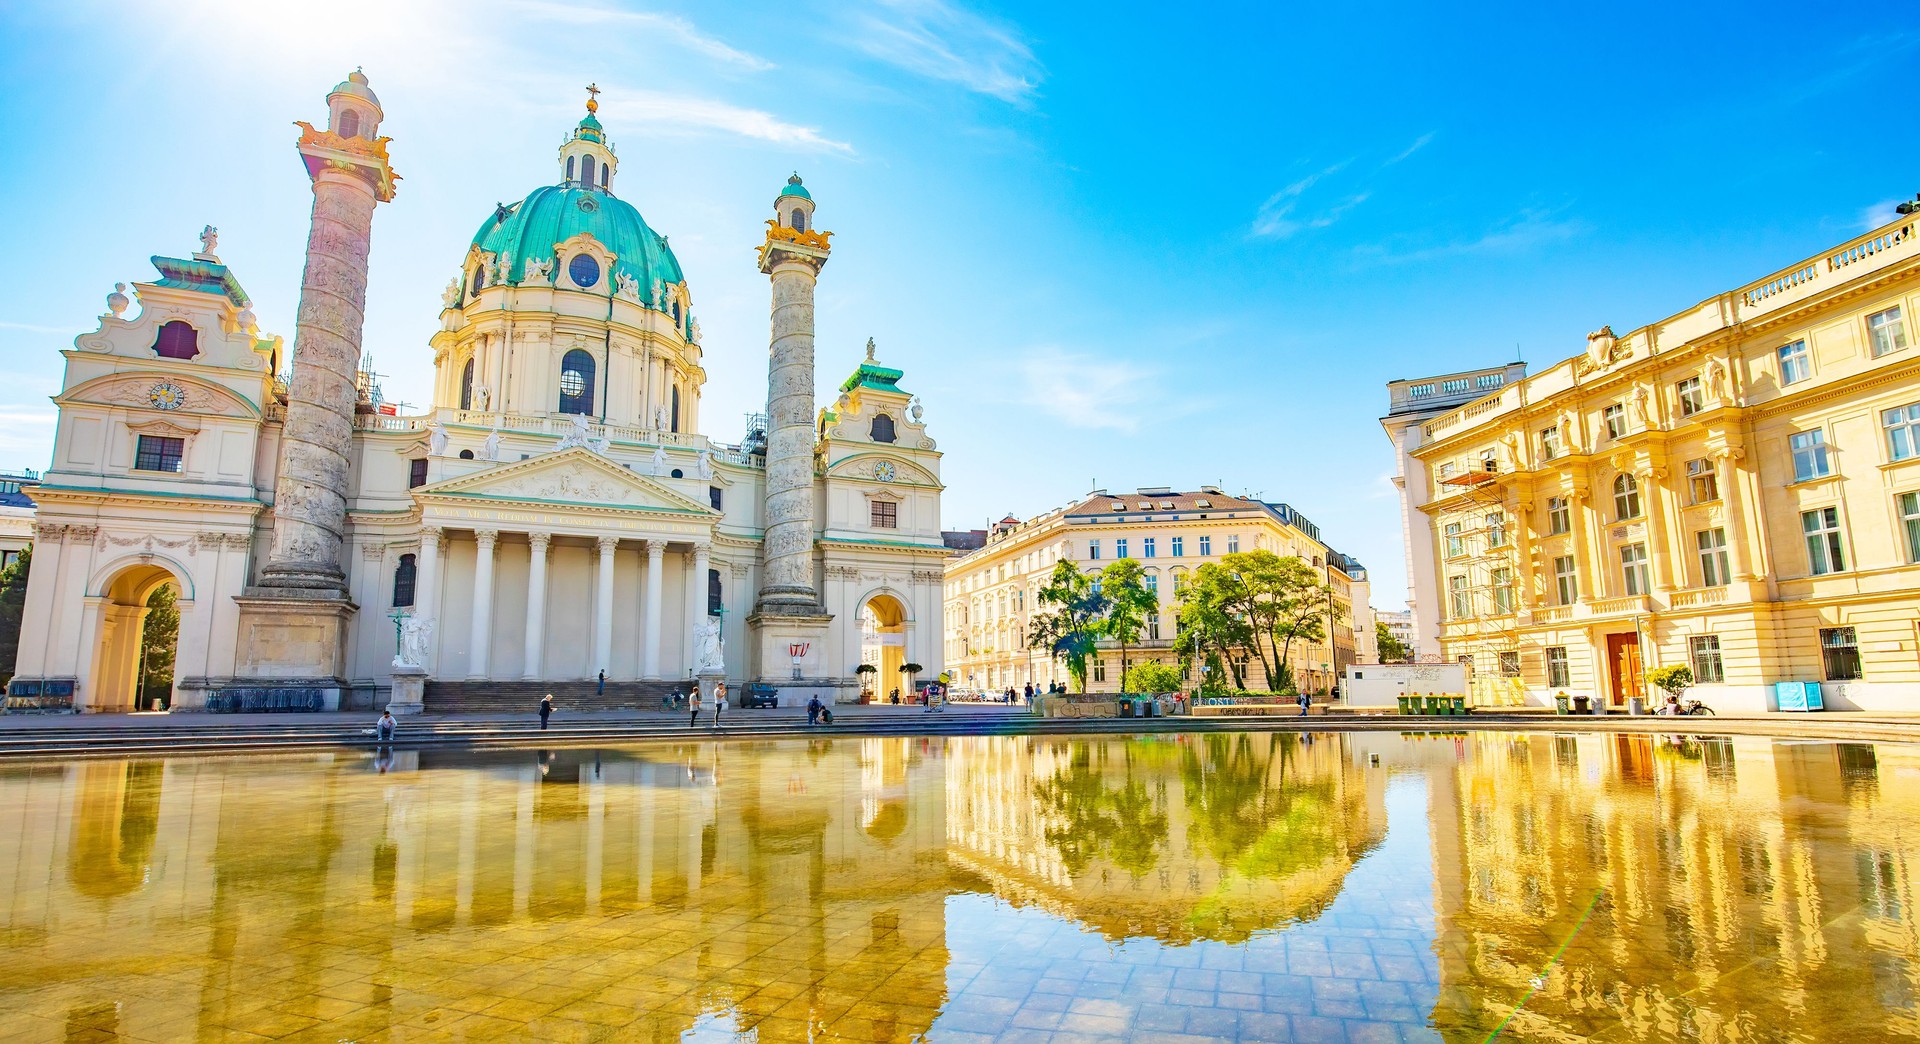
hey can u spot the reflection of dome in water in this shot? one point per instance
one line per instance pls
(885, 821)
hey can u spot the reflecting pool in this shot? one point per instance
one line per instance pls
(1253, 886)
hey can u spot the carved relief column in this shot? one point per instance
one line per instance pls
(481, 641)
(793, 261)
(536, 604)
(603, 605)
(1523, 541)
(650, 611)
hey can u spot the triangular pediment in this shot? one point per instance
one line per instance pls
(572, 476)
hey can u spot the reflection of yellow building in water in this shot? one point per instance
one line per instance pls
(1176, 838)
(1743, 886)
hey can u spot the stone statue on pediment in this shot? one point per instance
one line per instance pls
(706, 464)
(491, 449)
(436, 439)
(450, 297)
(659, 461)
(576, 434)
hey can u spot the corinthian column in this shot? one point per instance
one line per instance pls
(536, 605)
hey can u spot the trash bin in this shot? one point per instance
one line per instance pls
(1403, 698)
(1560, 705)
(1459, 706)
(1580, 704)
(1126, 708)
(1434, 705)
(1636, 705)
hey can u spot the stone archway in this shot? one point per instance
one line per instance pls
(123, 610)
(884, 627)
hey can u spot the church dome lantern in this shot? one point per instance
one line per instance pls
(794, 206)
(353, 110)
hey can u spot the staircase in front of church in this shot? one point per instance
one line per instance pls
(523, 697)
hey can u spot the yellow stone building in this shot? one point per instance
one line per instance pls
(993, 593)
(1735, 487)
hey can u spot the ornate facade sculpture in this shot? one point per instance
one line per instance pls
(491, 449)
(576, 434)
(659, 461)
(540, 271)
(416, 632)
(436, 439)
(712, 657)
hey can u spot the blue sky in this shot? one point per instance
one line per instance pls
(1122, 244)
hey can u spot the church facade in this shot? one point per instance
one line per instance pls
(556, 514)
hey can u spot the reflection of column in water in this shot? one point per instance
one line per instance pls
(596, 835)
(469, 837)
(523, 840)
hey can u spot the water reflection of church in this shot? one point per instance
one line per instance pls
(796, 888)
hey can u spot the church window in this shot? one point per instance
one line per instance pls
(350, 124)
(713, 497)
(569, 168)
(799, 220)
(479, 279)
(677, 473)
(603, 175)
(403, 580)
(584, 270)
(159, 453)
(586, 169)
(466, 386)
(177, 340)
(714, 603)
(882, 429)
(576, 382)
(466, 454)
(416, 472)
(884, 514)
(673, 415)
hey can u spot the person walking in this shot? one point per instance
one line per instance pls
(719, 703)
(1306, 703)
(546, 710)
(601, 689)
(693, 707)
(386, 726)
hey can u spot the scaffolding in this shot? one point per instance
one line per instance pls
(1487, 559)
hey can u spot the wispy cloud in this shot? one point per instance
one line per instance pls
(942, 41)
(685, 112)
(679, 30)
(1418, 144)
(1280, 216)
(1879, 214)
(1082, 390)
(1525, 231)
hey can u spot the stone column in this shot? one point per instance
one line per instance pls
(1733, 493)
(1660, 536)
(481, 642)
(536, 605)
(293, 627)
(702, 564)
(427, 577)
(603, 606)
(786, 581)
(650, 611)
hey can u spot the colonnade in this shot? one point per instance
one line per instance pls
(432, 539)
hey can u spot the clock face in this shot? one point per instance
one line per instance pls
(884, 471)
(166, 396)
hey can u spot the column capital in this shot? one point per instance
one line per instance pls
(432, 535)
(539, 542)
(486, 538)
(656, 549)
(607, 544)
(373, 552)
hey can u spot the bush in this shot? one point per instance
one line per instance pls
(1151, 677)
(1674, 679)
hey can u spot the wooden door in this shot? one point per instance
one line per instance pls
(1623, 654)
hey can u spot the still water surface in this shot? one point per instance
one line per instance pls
(1236, 887)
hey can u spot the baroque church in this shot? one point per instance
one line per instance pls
(555, 518)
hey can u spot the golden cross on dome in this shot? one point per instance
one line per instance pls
(593, 97)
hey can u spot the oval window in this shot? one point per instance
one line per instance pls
(584, 270)
(572, 382)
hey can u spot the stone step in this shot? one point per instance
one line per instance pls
(488, 697)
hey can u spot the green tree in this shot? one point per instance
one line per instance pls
(1392, 650)
(1151, 677)
(1675, 679)
(1208, 628)
(157, 641)
(1129, 604)
(13, 608)
(1283, 601)
(1077, 609)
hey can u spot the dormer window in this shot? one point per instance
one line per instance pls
(350, 124)
(584, 270)
(177, 340)
(882, 429)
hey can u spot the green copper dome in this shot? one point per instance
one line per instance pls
(553, 214)
(589, 128)
(794, 188)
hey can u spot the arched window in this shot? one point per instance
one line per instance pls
(479, 279)
(177, 340)
(403, 580)
(603, 175)
(1626, 497)
(586, 169)
(799, 220)
(673, 418)
(576, 382)
(350, 128)
(466, 454)
(569, 168)
(466, 386)
(882, 429)
(714, 603)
